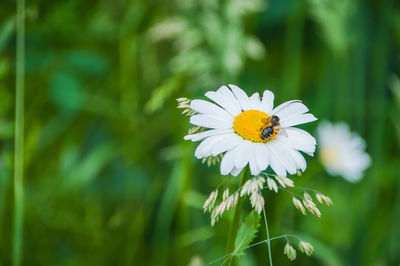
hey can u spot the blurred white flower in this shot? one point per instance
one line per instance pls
(341, 151)
(250, 131)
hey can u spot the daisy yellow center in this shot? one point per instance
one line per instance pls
(329, 156)
(250, 125)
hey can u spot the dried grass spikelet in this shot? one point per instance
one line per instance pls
(184, 103)
(289, 251)
(306, 247)
(225, 195)
(272, 185)
(253, 185)
(297, 203)
(253, 189)
(323, 199)
(284, 181)
(228, 202)
(311, 207)
(212, 160)
(193, 130)
(257, 201)
(209, 203)
(307, 196)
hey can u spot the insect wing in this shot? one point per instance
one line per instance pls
(282, 132)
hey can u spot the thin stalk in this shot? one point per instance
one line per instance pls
(19, 137)
(235, 225)
(268, 239)
(253, 245)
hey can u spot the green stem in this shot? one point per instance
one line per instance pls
(19, 137)
(268, 239)
(235, 225)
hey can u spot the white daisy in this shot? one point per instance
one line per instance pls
(242, 128)
(341, 151)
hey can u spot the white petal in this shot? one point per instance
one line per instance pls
(366, 159)
(267, 102)
(227, 143)
(299, 139)
(242, 154)
(254, 169)
(241, 96)
(353, 176)
(298, 120)
(225, 98)
(356, 142)
(205, 147)
(262, 156)
(208, 133)
(207, 108)
(283, 157)
(276, 166)
(298, 159)
(255, 103)
(228, 162)
(293, 131)
(236, 171)
(209, 121)
(291, 110)
(283, 105)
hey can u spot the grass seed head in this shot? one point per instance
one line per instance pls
(289, 251)
(297, 203)
(272, 185)
(306, 247)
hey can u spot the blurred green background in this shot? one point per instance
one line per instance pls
(109, 179)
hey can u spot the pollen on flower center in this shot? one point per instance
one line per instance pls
(250, 125)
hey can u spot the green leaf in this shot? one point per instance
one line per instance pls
(247, 232)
